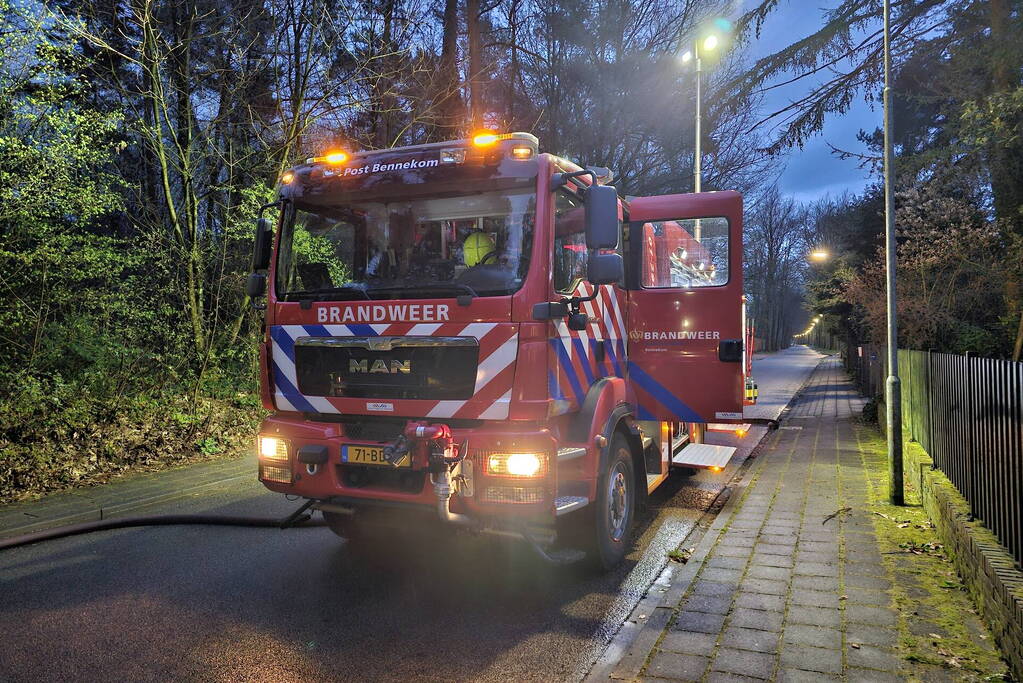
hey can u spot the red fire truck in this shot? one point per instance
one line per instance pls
(489, 337)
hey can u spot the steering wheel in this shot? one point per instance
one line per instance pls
(490, 258)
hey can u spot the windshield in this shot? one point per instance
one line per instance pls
(476, 243)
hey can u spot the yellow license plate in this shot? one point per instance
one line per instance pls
(368, 455)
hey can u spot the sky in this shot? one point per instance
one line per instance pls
(813, 171)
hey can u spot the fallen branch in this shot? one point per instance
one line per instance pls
(836, 513)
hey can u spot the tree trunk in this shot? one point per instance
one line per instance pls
(383, 130)
(447, 98)
(472, 22)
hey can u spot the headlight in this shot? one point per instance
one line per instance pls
(273, 448)
(517, 464)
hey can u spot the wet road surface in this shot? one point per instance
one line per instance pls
(218, 603)
(778, 376)
(213, 603)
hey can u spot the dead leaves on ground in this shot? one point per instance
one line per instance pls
(929, 548)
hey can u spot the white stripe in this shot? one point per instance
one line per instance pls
(498, 410)
(502, 357)
(591, 314)
(478, 330)
(445, 408)
(282, 403)
(566, 340)
(294, 331)
(424, 329)
(287, 367)
(585, 339)
(321, 404)
(565, 335)
(612, 333)
(380, 328)
(621, 323)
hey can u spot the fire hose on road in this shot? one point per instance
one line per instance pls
(299, 518)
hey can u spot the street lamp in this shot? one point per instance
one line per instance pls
(893, 397)
(819, 254)
(706, 44)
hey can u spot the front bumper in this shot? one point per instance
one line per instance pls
(527, 499)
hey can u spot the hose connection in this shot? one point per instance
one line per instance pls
(434, 445)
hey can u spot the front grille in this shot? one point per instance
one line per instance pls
(276, 473)
(402, 480)
(438, 368)
(513, 494)
(369, 429)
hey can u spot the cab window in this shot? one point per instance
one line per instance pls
(685, 253)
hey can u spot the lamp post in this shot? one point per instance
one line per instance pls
(893, 398)
(709, 43)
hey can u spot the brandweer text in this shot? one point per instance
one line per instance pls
(424, 313)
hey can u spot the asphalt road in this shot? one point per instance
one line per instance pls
(778, 376)
(213, 603)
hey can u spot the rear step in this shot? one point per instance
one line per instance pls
(703, 455)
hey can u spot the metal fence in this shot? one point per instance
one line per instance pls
(967, 413)
(866, 364)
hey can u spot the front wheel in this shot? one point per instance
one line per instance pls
(616, 507)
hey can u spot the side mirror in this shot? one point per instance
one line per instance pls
(255, 285)
(605, 269)
(263, 242)
(602, 226)
(549, 310)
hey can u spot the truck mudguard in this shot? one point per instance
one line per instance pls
(602, 397)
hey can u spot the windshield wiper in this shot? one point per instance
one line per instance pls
(313, 294)
(428, 287)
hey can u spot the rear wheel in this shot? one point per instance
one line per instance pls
(615, 509)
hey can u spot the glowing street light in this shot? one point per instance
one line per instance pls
(820, 254)
(708, 43)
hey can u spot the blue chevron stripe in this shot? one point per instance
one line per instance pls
(316, 330)
(609, 349)
(284, 341)
(577, 344)
(667, 399)
(566, 364)
(552, 386)
(293, 395)
(362, 330)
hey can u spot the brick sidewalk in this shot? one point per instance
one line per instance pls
(783, 594)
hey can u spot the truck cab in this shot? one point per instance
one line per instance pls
(481, 336)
